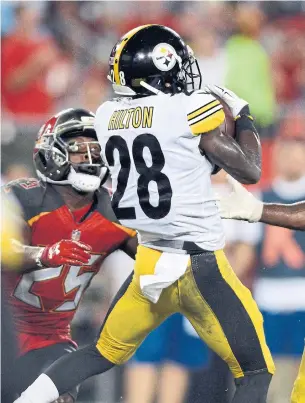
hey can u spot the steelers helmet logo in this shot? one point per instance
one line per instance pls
(164, 56)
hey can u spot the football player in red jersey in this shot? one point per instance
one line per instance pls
(70, 229)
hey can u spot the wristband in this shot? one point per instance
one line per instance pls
(244, 111)
(38, 259)
(244, 121)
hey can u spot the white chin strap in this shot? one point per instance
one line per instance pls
(83, 182)
(79, 181)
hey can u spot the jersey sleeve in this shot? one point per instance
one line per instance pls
(204, 113)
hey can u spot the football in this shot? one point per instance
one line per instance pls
(228, 126)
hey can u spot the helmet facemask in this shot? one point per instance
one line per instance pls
(190, 74)
(85, 176)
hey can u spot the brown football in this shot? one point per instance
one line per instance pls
(228, 126)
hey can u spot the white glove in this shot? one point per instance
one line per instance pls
(240, 204)
(234, 103)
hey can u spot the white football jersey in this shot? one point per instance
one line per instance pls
(161, 181)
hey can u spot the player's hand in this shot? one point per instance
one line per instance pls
(234, 103)
(240, 204)
(67, 251)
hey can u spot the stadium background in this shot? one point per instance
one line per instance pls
(54, 55)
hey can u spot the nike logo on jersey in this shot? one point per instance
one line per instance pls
(133, 117)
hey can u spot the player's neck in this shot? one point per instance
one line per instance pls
(74, 199)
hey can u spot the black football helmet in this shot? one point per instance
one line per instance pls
(57, 140)
(150, 59)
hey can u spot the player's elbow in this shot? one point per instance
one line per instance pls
(256, 174)
(252, 176)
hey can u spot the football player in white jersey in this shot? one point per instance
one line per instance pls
(162, 140)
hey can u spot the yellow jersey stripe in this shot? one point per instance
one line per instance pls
(205, 115)
(120, 48)
(202, 109)
(36, 218)
(208, 123)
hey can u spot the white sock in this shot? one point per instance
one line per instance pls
(43, 390)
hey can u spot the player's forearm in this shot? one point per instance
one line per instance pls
(242, 161)
(28, 255)
(290, 216)
(250, 146)
(249, 143)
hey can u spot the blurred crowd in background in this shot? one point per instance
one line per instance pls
(55, 55)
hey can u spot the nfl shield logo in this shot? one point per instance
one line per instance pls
(75, 235)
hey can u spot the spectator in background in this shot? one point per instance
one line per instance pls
(7, 16)
(279, 289)
(205, 25)
(95, 89)
(211, 58)
(27, 56)
(248, 71)
(289, 65)
(153, 12)
(208, 49)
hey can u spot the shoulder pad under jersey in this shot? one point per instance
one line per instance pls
(29, 193)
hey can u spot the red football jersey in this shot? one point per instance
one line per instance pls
(45, 300)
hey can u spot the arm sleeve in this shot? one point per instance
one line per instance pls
(204, 113)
